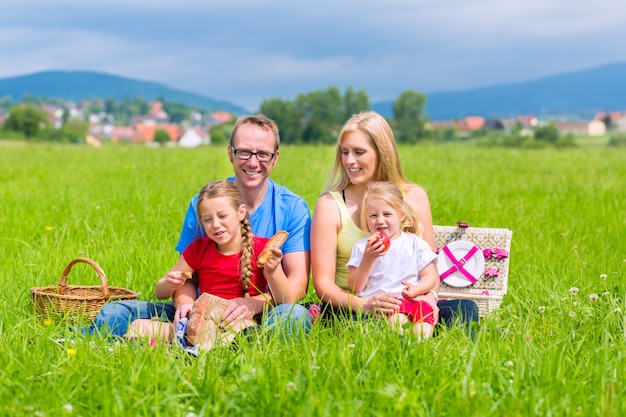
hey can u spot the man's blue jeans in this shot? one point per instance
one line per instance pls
(115, 317)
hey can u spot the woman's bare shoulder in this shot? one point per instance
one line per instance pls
(326, 213)
(325, 199)
(326, 203)
(416, 193)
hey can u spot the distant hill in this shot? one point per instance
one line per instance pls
(581, 93)
(77, 85)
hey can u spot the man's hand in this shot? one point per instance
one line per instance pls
(241, 309)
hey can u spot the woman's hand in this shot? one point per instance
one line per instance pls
(182, 311)
(381, 304)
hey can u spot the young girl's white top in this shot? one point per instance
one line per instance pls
(405, 258)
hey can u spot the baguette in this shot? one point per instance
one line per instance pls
(275, 241)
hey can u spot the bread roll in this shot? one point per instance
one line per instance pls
(275, 241)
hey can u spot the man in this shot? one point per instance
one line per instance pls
(253, 151)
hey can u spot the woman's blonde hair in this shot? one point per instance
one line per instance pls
(224, 188)
(390, 194)
(381, 138)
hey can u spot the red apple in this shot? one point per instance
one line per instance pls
(381, 237)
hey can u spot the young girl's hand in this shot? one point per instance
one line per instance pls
(274, 261)
(409, 291)
(374, 249)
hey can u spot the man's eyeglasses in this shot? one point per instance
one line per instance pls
(244, 155)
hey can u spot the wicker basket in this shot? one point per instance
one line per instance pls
(487, 292)
(77, 301)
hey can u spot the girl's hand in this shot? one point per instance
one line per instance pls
(174, 280)
(410, 290)
(274, 262)
(381, 304)
(374, 249)
(182, 311)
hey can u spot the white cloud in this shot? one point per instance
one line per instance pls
(245, 50)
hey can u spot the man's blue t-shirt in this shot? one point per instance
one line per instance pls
(281, 209)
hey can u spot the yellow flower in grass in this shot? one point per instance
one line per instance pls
(49, 228)
(71, 351)
(47, 322)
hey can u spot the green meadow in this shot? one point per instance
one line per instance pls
(556, 347)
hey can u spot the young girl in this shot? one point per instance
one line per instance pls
(404, 270)
(225, 262)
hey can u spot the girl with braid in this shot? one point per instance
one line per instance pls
(223, 263)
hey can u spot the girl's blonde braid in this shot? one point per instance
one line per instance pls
(245, 261)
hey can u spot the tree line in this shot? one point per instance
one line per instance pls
(314, 117)
(317, 116)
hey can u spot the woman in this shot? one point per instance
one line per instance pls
(366, 151)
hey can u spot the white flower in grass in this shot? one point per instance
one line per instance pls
(542, 309)
(602, 276)
(508, 364)
(572, 314)
(617, 310)
(573, 290)
(68, 408)
(291, 386)
(593, 297)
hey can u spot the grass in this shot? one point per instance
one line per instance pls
(546, 351)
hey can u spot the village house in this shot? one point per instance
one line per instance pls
(581, 128)
(194, 136)
(619, 124)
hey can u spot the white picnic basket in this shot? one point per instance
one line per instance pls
(488, 290)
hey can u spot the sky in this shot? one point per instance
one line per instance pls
(246, 51)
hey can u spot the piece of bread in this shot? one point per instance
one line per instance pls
(204, 320)
(187, 274)
(275, 241)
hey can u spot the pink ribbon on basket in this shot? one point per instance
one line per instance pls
(497, 253)
(458, 264)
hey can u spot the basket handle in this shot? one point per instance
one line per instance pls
(103, 278)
